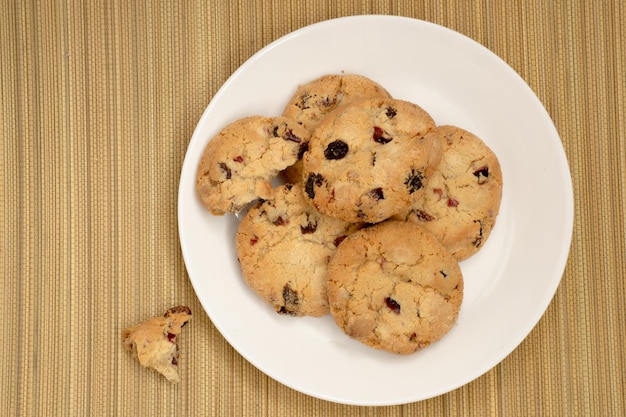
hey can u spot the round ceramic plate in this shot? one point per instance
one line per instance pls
(508, 284)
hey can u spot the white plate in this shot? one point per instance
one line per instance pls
(508, 284)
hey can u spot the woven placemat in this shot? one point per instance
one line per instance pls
(99, 101)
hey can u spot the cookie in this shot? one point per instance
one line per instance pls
(283, 245)
(238, 165)
(394, 287)
(370, 159)
(154, 342)
(462, 198)
(315, 99)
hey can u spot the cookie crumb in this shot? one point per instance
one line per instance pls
(154, 341)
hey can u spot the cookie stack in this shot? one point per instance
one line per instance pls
(378, 207)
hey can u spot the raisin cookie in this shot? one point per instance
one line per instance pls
(370, 159)
(394, 287)
(154, 342)
(315, 99)
(283, 245)
(462, 198)
(239, 163)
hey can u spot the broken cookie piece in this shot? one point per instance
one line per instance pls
(154, 341)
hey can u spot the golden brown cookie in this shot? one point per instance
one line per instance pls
(314, 100)
(370, 159)
(239, 163)
(462, 198)
(393, 287)
(283, 245)
(154, 342)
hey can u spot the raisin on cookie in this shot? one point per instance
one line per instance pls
(370, 159)
(154, 342)
(238, 165)
(462, 198)
(393, 287)
(283, 246)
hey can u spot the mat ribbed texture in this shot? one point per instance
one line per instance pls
(99, 102)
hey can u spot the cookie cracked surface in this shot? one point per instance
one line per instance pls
(313, 100)
(283, 246)
(462, 198)
(370, 159)
(238, 165)
(393, 287)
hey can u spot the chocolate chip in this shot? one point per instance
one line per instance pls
(482, 174)
(391, 112)
(443, 273)
(311, 226)
(479, 239)
(311, 182)
(377, 194)
(226, 170)
(304, 101)
(336, 150)
(178, 310)
(290, 301)
(393, 305)
(414, 181)
(379, 136)
(339, 239)
(304, 147)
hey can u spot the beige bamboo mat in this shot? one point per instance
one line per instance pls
(99, 101)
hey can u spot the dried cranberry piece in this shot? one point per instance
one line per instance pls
(336, 150)
(171, 337)
(423, 216)
(439, 192)
(254, 240)
(311, 182)
(280, 221)
(379, 136)
(238, 158)
(452, 202)
(289, 135)
(414, 181)
(226, 170)
(393, 305)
